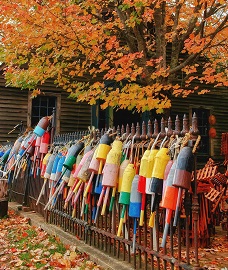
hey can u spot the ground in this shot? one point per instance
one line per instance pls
(215, 257)
(23, 246)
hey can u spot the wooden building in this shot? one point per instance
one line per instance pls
(212, 103)
(17, 107)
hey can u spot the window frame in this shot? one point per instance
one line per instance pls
(210, 141)
(57, 112)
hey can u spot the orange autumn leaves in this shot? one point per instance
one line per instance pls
(148, 50)
(27, 247)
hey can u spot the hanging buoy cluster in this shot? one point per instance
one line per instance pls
(109, 169)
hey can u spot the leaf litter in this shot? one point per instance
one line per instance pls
(23, 246)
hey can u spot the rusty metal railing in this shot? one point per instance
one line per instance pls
(148, 254)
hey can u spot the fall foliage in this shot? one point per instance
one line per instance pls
(128, 53)
(24, 246)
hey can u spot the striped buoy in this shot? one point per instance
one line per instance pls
(142, 183)
(125, 192)
(135, 206)
(183, 175)
(169, 200)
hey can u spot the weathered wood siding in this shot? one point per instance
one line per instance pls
(14, 108)
(72, 115)
(217, 102)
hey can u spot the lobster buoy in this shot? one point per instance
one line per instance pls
(45, 141)
(23, 147)
(212, 132)
(44, 164)
(36, 156)
(122, 168)
(83, 176)
(72, 180)
(142, 183)
(71, 156)
(93, 167)
(83, 173)
(50, 164)
(125, 192)
(110, 173)
(42, 126)
(212, 120)
(135, 206)
(102, 152)
(161, 160)
(49, 160)
(151, 159)
(31, 145)
(5, 156)
(54, 167)
(169, 200)
(59, 167)
(17, 145)
(183, 175)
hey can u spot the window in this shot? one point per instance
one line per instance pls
(42, 106)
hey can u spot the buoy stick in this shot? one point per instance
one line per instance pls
(166, 229)
(87, 200)
(88, 184)
(99, 202)
(77, 186)
(134, 234)
(83, 206)
(42, 191)
(78, 193)
(17, 160)
(54, 195)
(112, 199)
(62, 174)
(100, 167)
(141, 220)
(105, 201)
(152, 214)
(70, 194)
(121, 220)
(177, 206)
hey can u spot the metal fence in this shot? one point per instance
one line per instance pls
(137, 244)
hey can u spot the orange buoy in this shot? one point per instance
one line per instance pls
(183, 175)
(169, 200)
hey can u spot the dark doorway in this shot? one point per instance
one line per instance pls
(124, 117)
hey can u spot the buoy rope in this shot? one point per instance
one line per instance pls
(196, 144)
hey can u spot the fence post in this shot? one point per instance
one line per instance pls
(53, 125)
(195, 204)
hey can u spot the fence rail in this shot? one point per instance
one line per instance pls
(142, 246)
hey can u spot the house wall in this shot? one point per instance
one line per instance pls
(13, 110)
(15, 106)
(217, 102)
